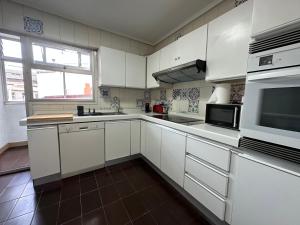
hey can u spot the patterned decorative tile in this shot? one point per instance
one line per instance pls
(147, 95)
(176, 93)
(163, 94)
(33, 25)
(194, 94)
(237, 93)
(115, 103)
(193, 106)
(104, 92)
(184, 93)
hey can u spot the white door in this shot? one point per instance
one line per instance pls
(81, 151)
(169, 56)
(152, 67)
(117, 140)
(135, 131)
(228, 44)
(153, 143)
(143, 137)
(135, 71)
(192, 46)
(269, 15)
(111, 67)
(43, 151)
(263, 195)
(173, 145)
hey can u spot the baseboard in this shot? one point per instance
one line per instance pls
(12, 145)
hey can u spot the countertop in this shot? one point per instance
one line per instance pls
(222, 135)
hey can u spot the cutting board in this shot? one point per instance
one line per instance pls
(50, 118)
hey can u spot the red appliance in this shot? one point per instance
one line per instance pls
(158, 109)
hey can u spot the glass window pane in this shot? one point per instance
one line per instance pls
(79, 86)
(14, 81)
(37, 53)
(85, 61)
(62, 57)
(47, 84)
(11, 48)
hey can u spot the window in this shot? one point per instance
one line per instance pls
(61, 72)
(12, 68)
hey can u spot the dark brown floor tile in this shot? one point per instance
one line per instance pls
(5, 180)
(29, 189)
(118, 175)
(116, 213)
(25, 205)
(11, 193)
(88, 184)
(52, 186)
(162, 216)
(109, 194)
(5, 209)
(76, 221)
(46, 216)
(104, 179)
(134, 206)
(145, 220)
(20, 178)
(49, 198)
(69, 209)
(95, 217)
(90, 201)
(140, 181)
(87, 175)
(124, 188)
(72, 180)
(153, 197)
(21, 220)
(180, 211)
(70, 190)
(14, 158)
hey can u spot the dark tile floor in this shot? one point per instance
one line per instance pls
(14, 159)
(130, 193)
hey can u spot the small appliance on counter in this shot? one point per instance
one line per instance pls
(80, 110)
(158, 108)
(147, 107)
(223, 115)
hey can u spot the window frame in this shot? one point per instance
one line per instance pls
(4, 59)
(61, 68)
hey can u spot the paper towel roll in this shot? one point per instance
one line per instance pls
(221, 94)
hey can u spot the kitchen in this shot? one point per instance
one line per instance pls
(190, 121)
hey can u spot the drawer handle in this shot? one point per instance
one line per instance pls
(209, 143)
(207, 189)
(207, 166)
(83, 128)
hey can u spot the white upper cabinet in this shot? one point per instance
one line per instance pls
(135, 71)
(111, 67)
(190, 47)
(228, 44)
(272, 15)
(152, 67)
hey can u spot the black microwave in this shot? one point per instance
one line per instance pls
(223, 115)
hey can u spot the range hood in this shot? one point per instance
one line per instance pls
(183, 73)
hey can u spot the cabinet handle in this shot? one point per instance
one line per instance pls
(83, 128)
(209, 143)
(207, 166)
(207, 189)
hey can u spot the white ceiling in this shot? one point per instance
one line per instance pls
(149, 21)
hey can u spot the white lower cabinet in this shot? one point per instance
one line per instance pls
(153, 143)
(135, 133)
(117, 140)
(173, 154)
(263, 195)
(143, 137)
(43, 151)
(206, 197)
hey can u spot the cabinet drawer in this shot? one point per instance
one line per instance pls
(215, 154)
(210, 176)
(206, 197)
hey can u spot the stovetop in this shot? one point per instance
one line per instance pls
(178, 119)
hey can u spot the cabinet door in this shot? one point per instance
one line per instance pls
(135, 71)
(153, 143)
(152, 67)
(43, 151)
(269, 15)
(143, 137)
(117, 140)
(135, 130)
(112, 67)
(228, 44)
(263, 195)
(192, 46)
(173, 154)
(169, 56)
